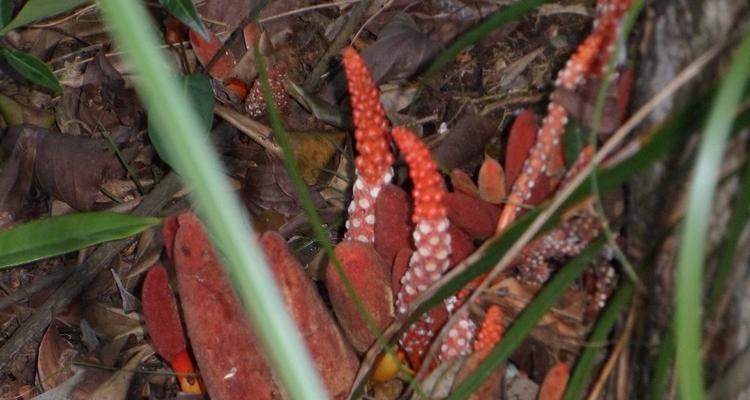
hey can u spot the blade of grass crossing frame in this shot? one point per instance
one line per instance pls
(737, 223)
(528, 318)
(691, 255)
(585, 364)
(222, 214)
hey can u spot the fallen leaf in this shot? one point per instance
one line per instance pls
(313, 150)
(68, 168)
(116, 387)
(400, 50)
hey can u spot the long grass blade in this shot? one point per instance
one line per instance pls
(689, 277)
(523, 325)
(225, 220)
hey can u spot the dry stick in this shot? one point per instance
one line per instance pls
(26, 291)
(256, 131)
(596, 391)
(685, 75)
(33, 327)
(342, 38)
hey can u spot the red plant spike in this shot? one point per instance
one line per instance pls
(588, 60)
(431, 238)
(374, 157)
(492, 329)
(459, 339)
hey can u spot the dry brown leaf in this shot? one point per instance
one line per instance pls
(65, 167)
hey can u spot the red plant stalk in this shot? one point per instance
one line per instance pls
(588, 60)
(374, 160)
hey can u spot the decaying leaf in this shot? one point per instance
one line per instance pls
(65, 167)
(313, 150)
(400, 50)
(269, 187)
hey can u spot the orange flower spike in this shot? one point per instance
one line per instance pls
(374, 158)
(492, 329)
(588, 60)
(431, 238)
(555, 382)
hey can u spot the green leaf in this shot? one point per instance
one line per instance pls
(59, 235)
(185, 11)
(689, 276)
(198, 90)
(34, 10)
(6, 12)
(32, 69)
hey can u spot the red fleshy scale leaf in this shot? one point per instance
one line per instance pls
(371, 280)
(175, 31)
(400, 266)
(204, 52)
(229, 357)
(472, 215)
(555, 382)
(491, 181)
(394, 227)
(161, 314)
(461, 182)
(520, 140)
(374, 158)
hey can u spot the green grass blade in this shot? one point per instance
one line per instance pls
(586, 362)
(691, 255)
(6, 12)
(32, 69)
(222, 214)
(528, 318)
(737, 223)
(54, 236)
(34, 10)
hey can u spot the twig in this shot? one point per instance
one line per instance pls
(24, 292)
(260, 133)
(342, 38)
(33, 327)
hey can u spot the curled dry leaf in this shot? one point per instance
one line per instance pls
(68, 168)
(269, 187)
